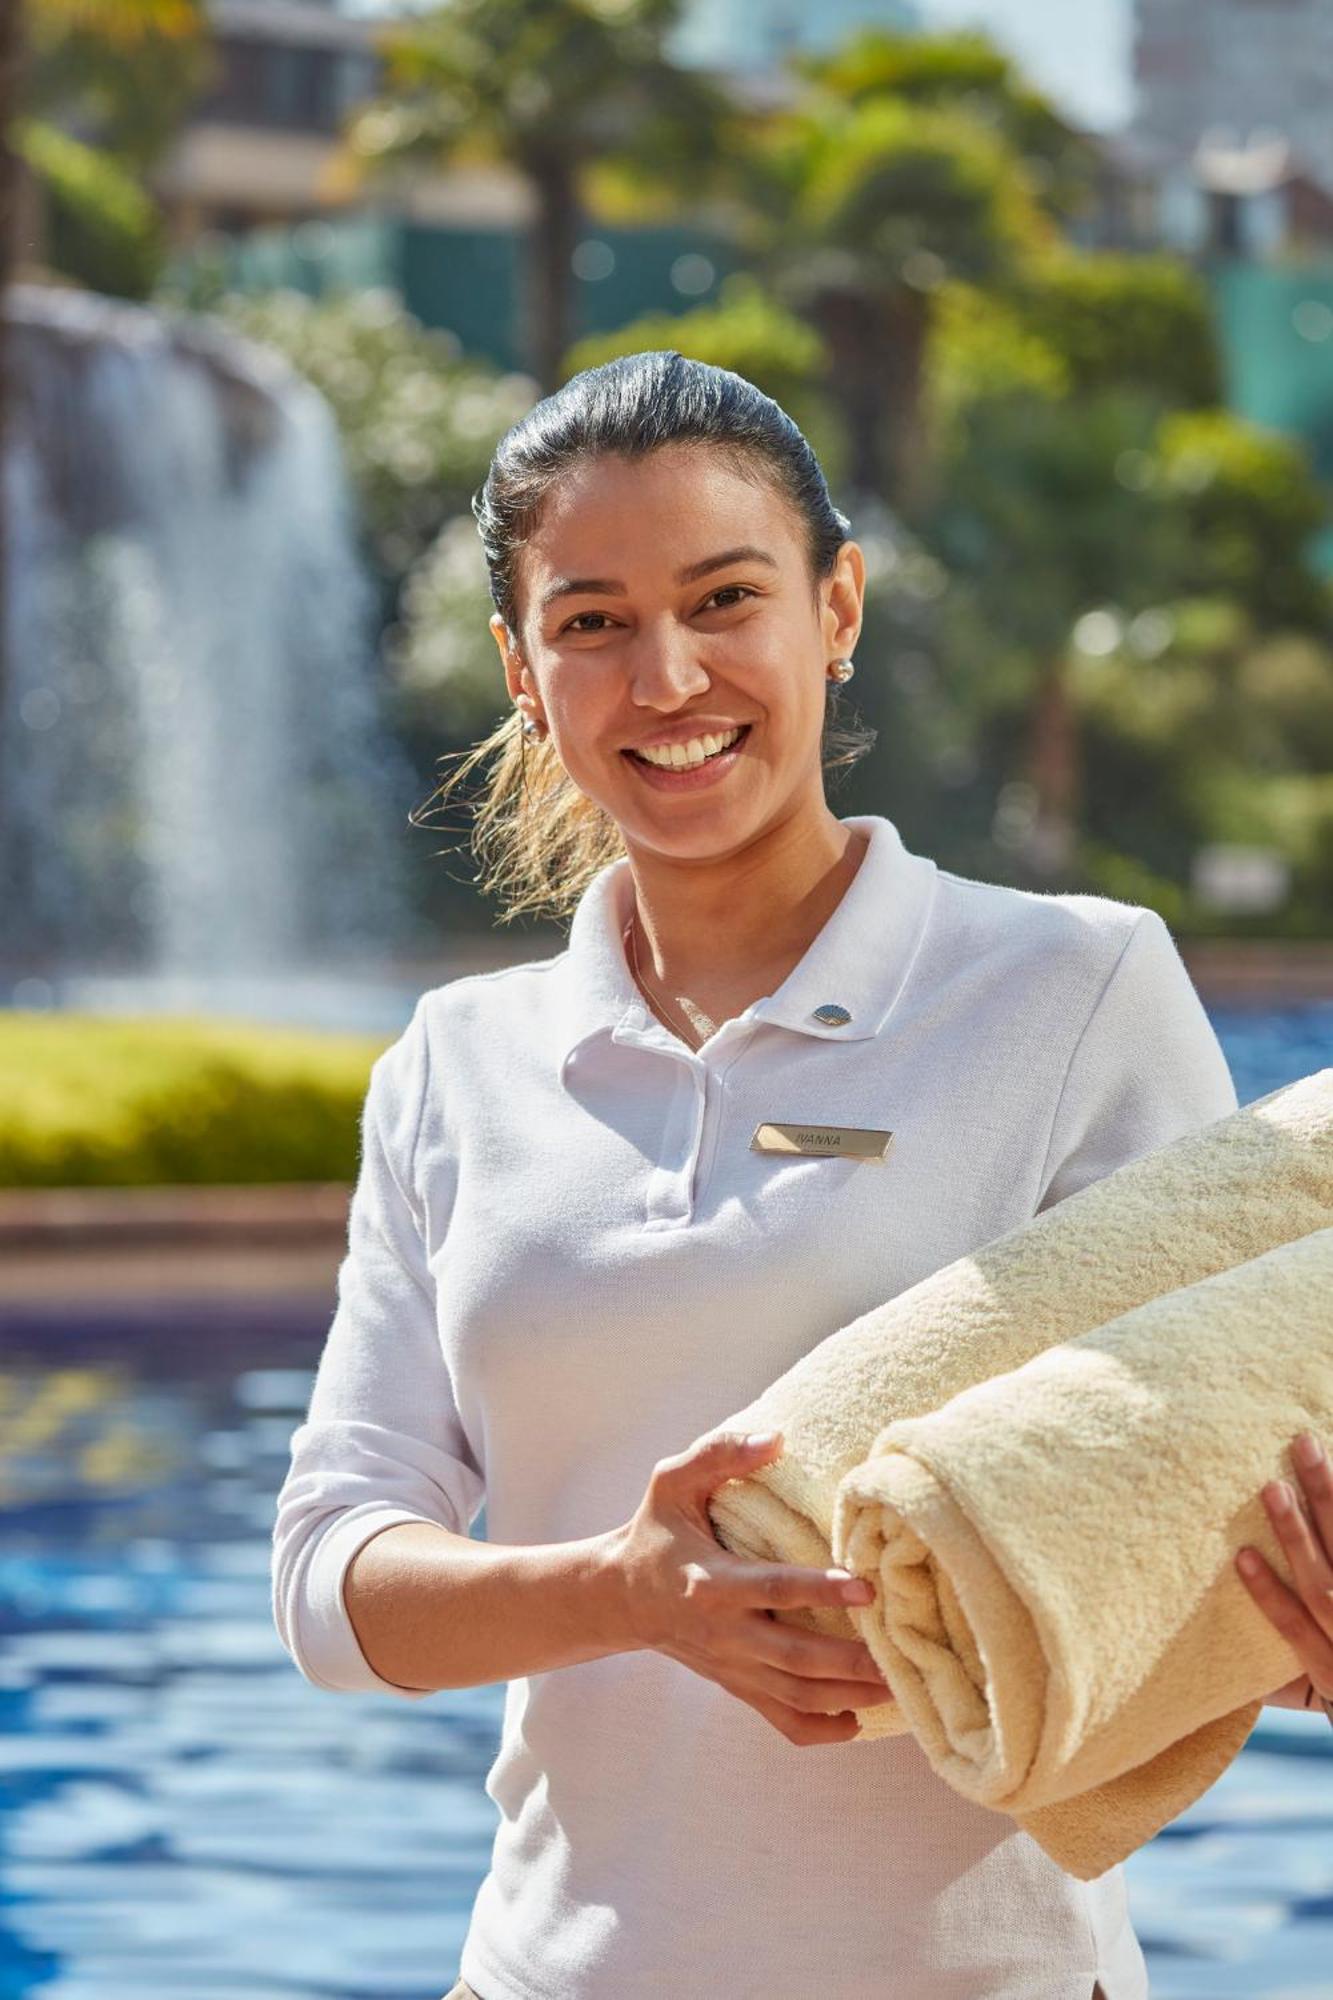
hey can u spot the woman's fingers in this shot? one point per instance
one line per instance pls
(792, 1653)
(820, 1696)
(1303, 1616)
(802, 1727)
(1302, 1539)
(1316, 1477)
(1285, 1610)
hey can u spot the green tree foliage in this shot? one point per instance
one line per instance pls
(1087, 476)
(1037, 514)
(1173, 541)
(1202, 726)
(120, 74)
(1074, 323)
(550, 87)
(1253, 506)
(967, 72)
(857, 214)
(1120, 320)
(982, 349)
(107, 84)
(101, 228)
(748, 331)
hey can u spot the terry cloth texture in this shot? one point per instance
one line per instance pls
(1059, 1612)
(1261, 1176)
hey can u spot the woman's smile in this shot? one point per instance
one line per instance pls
(693, 776)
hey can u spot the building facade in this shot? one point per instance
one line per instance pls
(1236, 73)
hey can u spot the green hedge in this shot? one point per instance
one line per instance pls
(91, 1101)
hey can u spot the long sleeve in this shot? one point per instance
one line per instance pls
(382, 1441)
(1146, 1070)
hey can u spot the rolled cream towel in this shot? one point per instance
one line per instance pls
(1057, 1607)
(1258, 1177)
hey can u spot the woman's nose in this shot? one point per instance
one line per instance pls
(666, 661)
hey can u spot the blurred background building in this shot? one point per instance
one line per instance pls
(1263, 69)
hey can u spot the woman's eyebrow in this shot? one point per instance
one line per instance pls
(609, 586)
(747, 552)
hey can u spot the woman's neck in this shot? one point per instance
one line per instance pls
(712, 929)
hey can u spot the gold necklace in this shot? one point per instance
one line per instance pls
(697, 1021)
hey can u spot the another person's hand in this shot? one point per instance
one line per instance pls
(694, 1601)
(1304, 1616)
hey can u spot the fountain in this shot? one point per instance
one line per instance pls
(199, 803)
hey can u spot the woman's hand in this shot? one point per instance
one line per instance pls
(688, 1597)
(1306, 1534)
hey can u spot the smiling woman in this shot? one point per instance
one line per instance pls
(669, 517)
(676, 601)
(784, 1069)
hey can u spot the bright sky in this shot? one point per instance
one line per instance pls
(1078, 54)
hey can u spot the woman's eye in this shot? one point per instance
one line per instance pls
(734, 591)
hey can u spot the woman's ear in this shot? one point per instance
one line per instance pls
(844, 596)
(509, 654)
(518, 678)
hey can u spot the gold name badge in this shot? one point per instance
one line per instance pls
(852, 1142)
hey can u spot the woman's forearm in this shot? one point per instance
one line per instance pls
(433, 1609)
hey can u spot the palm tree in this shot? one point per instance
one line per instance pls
(552, 88)
(856, 213)
(903, 160)
(965, 71)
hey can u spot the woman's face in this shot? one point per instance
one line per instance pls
(664, 599)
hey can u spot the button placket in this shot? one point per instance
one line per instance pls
(711, 1116)
(668, 1201)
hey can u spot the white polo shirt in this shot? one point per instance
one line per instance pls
(565, 1262)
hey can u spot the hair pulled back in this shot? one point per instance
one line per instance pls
(539, 839)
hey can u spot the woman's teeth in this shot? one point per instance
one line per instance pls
(699, 748)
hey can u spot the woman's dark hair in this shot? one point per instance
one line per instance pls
(539, 838)
(632, 406)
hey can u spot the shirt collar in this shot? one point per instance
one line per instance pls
(858, 961)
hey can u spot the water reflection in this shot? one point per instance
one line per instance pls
(187, 1817)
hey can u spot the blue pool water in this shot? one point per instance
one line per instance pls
(185, 1817)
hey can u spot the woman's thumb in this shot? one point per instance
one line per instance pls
(736, 1447)
(745, 1443)
(711, 1460)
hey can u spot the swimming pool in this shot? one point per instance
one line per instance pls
(186, 1817)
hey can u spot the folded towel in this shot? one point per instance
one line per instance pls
(1053, 1551)
(1258, 1177)
(1261, 1176)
